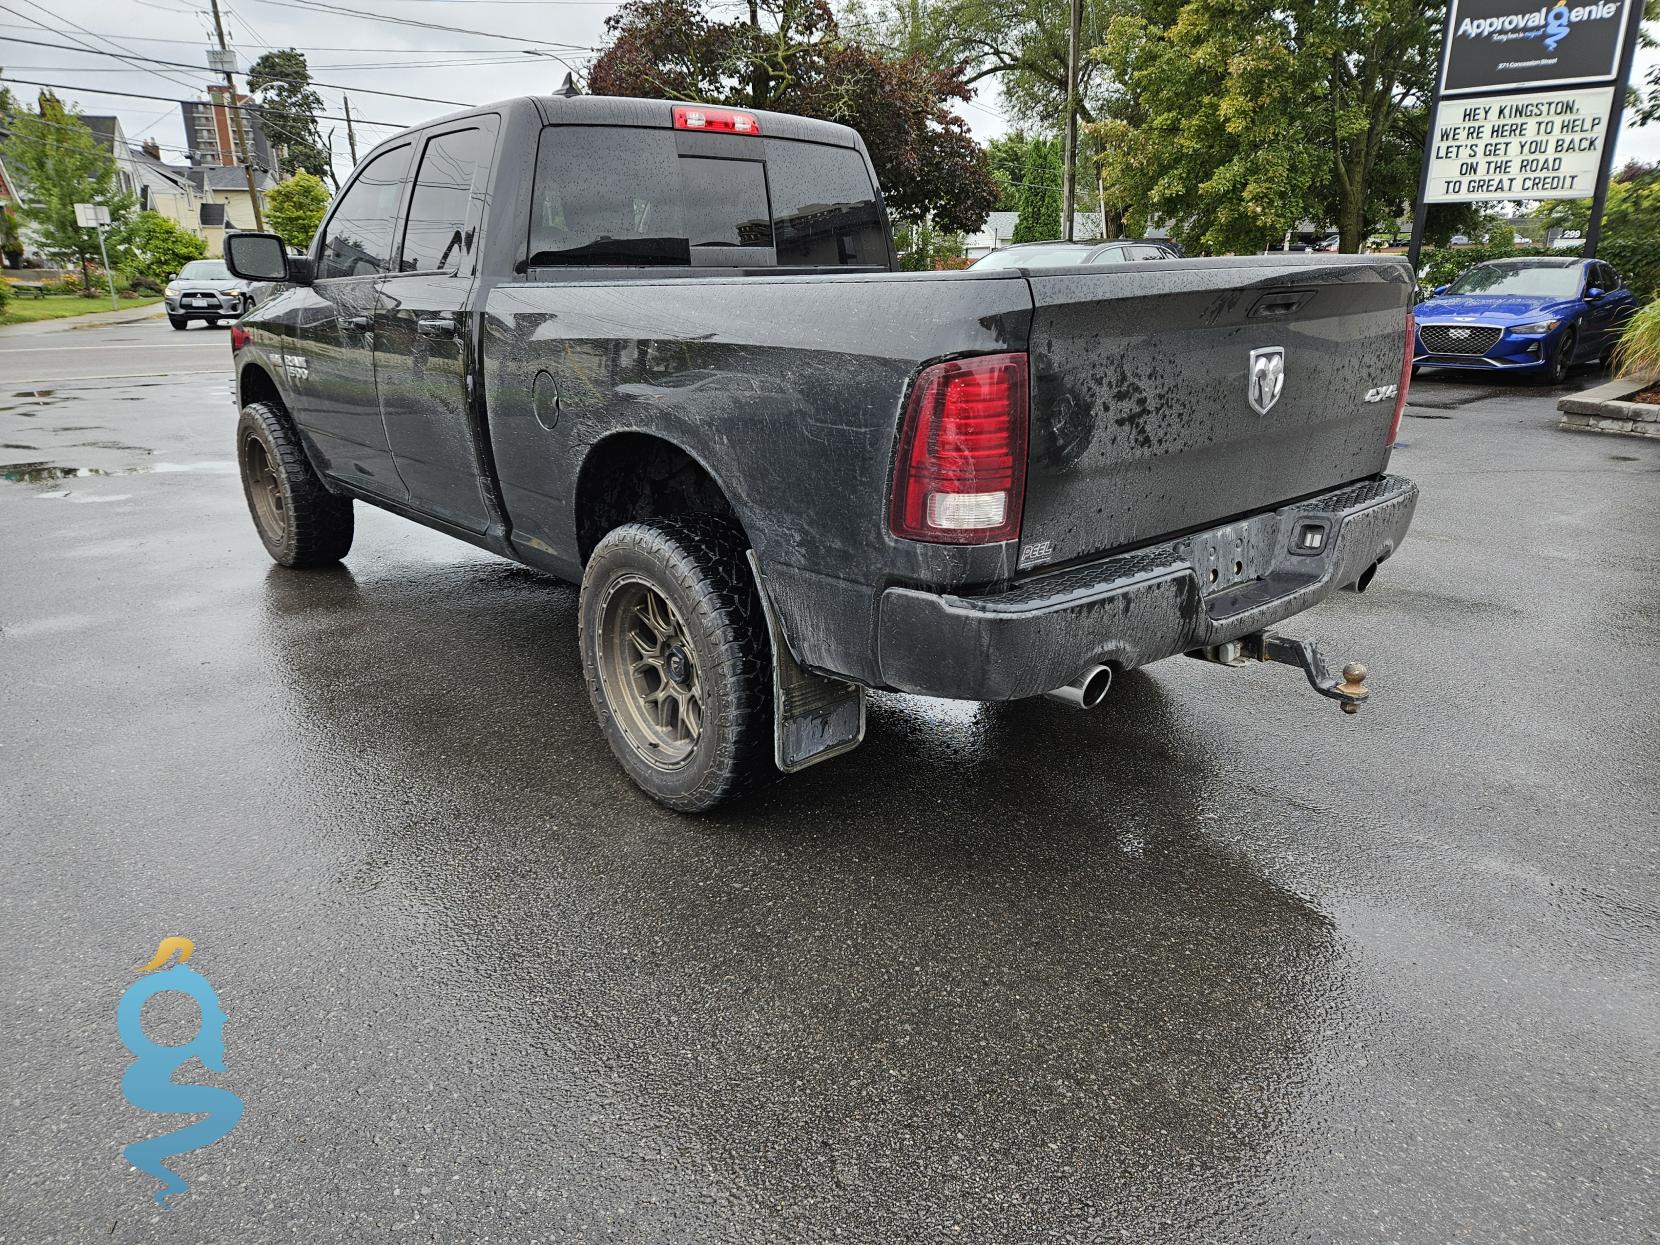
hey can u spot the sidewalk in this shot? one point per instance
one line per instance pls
(90, 320)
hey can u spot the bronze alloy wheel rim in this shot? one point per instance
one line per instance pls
(649, 674)
(264, 489)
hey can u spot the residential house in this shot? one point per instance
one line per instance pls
(167, 189)
(8, 204)
(998, 232)
(226, 206)
(108, 132)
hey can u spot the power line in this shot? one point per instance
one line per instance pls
(272, 47)
(333, 86)
(317, 6)
(98, 90)
(112, 43)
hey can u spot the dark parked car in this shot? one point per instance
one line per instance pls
(205, 290)
(663, 350)
(1539, 316)
(1066, 254)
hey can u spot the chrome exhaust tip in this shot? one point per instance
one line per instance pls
(1087, 690)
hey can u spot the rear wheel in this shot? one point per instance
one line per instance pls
(678, 661)
(299, 521)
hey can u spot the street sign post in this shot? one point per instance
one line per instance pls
(1527, 104)
(97, 216)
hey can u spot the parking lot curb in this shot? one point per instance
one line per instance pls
(1606, 409)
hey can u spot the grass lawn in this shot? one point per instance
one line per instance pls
(25, 309)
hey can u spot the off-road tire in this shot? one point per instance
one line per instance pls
(178, 322)
(697, 564)
(299, 521)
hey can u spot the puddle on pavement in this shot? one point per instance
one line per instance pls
(47, 472)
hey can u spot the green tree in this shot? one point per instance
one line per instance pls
(155, 248)
(59, 163)
(281, 82)
(1039, 195)
(295, 206)
(1008, 154)
(794, 58)
(1236, 119)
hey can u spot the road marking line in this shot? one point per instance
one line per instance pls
(61, 381)
(43, 349)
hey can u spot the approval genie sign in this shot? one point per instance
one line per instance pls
(1546, 145)
(1497, 45)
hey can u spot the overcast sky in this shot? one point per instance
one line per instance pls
(351, 49)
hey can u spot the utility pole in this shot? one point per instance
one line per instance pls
(238, 133)
(1069, 193)
(1599, 195)
(351, 134)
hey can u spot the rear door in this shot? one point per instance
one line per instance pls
(329, 355)
(1145, 418)
(422, 336)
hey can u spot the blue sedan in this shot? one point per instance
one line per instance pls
(1539, 316)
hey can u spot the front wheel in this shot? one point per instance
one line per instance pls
(678, 660)
(178, 322)
(1563, 360)
(299, 521)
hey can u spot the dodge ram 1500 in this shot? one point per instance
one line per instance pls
(664, 351)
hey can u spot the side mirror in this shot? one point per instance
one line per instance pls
(1594, 293)
(1440, 290)
(256, 256)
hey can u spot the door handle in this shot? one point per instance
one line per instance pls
(441, 326)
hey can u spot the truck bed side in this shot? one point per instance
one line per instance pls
(787, 390)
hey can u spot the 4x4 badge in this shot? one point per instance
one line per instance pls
(1266, 378)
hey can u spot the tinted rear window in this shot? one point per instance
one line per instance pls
(631, 197)
(825, 213)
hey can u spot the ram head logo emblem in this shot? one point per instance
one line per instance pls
(1266, 378)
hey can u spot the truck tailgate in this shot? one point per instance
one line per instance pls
(1142, 417)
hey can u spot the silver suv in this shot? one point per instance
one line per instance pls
(205, 290)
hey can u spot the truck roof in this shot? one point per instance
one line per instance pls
(652, 113)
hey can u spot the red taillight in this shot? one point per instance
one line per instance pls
(960, 477)
(716, 120)
(1406, 375)
(240, 337)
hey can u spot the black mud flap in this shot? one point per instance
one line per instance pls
(814, 717)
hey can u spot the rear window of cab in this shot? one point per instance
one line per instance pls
(610, 197)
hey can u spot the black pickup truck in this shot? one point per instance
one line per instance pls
(664, 351)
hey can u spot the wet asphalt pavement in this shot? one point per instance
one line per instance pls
(1213, 963)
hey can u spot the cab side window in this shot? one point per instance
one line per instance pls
(1607, 278)
(438, 236)
(357, 241)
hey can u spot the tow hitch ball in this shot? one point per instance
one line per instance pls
(1350, 691)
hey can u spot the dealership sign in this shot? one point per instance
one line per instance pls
(1542, 145)
(1500, 45)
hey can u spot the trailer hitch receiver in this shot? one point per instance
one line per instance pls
(1350, 691)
